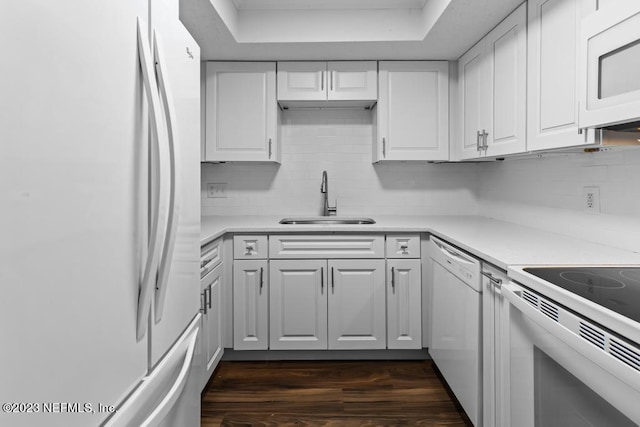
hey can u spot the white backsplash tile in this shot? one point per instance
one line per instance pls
(544, 193)
(340, 142)
(548, 193)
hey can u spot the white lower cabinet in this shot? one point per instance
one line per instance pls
(404, 299)
(320, 304)
(298, 304)
(250, 305)
(357, 315)
(211, 321)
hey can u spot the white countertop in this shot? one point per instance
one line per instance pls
(498, 242)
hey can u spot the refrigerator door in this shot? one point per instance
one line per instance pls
(170, 395)
(73, 222)
(177, 295)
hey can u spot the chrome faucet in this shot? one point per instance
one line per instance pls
(324, 189)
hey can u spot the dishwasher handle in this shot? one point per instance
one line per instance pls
(452, 253)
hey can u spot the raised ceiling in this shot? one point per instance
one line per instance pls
(340, 29)
(329, 4)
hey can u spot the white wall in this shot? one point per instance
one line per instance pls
(340, 142)
(548, 193)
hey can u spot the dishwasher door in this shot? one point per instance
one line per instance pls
(456, 323)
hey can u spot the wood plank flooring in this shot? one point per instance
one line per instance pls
(329, 393)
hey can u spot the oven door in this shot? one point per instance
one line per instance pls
(555, 377)
(611, 54)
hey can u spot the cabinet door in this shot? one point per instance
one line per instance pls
(355, 80)
(250, 305)
(357, 317)
(412, 111)
(212, 321)
(241, 112)
(298, 305)
(472, 100)
(505, 122)
(302, 81)
(553, 50)
(404, 297)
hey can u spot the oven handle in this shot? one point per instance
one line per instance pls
(623, 372)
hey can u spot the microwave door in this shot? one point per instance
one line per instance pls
(611, 55)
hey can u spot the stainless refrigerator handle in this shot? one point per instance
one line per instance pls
(156, 195)
(174, 178)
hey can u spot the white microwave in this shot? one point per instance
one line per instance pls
(611, 57)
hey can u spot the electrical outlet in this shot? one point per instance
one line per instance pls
(591, 199)
(217, 190)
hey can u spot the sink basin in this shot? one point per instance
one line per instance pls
(306, 220)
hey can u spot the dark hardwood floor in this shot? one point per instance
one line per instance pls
(329, 393)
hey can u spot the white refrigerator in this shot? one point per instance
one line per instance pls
(99, 214)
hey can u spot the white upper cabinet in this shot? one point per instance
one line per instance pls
(327, 81)
(492, 91)
(553, 70)
(241, 112)
(411, 118)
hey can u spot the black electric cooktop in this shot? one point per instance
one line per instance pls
(616, 288)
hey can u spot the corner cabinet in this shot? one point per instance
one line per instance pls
(492, 91)
(241, 112)
(327, 81)
(411, 117)
(553, 73)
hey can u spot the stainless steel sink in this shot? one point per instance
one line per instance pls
(306, 220)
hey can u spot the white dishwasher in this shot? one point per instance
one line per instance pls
(456, 323)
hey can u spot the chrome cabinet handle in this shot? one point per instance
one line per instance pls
(322, 80)
(261, 278)
(384, 147)
(204, 301)
(269, 147)
(209, 296)
(405, 249)
(332, 279)
(484, 140)
(393, 278)
(495, 281)
(321, 279)
(478, 146)
(331, 80)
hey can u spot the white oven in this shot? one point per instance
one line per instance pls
(611, 55)
(562, 368)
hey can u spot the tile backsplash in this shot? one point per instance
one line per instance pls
(543, 192)
(548, 193)
(340, 142)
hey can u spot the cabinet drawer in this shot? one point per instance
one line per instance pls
(333, 246)
(403, 246)
(210, 255)
(250, 247)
